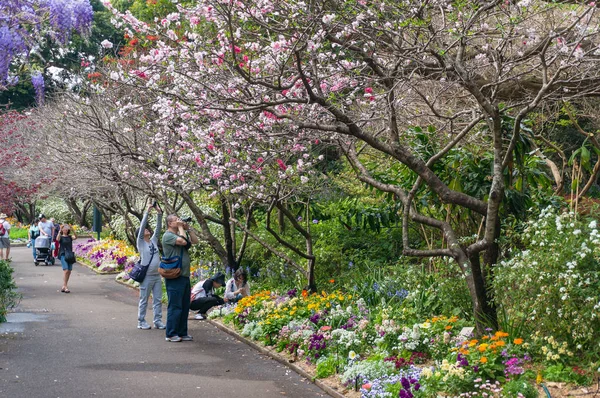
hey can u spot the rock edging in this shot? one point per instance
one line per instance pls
(279, 358)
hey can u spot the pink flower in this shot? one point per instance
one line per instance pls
(282, 165)
(260, 160)
(369, 90)
(325, 328)
(237, 50)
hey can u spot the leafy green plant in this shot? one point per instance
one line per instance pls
(9, 298)
(519, 388)
(327, 366)
(568, 374)
(18, 233)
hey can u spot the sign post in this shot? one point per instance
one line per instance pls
(97, 225)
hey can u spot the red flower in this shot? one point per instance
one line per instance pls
(282, 165)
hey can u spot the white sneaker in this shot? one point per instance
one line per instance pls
(159, 325)
(144, 325)
(199, 317)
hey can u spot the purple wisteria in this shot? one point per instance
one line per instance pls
(24, 22)
(37, 79)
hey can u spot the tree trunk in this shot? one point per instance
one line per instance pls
(484, 312)
(228, 234)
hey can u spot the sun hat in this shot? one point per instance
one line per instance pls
(3, 216)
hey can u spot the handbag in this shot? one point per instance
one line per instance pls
(138, 273)
(70, 257)
(170, 267)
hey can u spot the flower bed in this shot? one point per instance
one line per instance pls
(371, 352)
(105, 256)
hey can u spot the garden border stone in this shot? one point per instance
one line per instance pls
(284, 361)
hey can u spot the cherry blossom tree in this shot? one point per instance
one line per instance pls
(20, 181)
(378, 78)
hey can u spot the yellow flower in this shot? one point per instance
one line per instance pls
(483, 347)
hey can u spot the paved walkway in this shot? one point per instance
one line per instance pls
(86, 344)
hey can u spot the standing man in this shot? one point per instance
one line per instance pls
(55, 237)
(178, 236)
(46, 227)
(4, 236)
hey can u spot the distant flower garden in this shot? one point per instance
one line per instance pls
(372, 352)
(107, 255)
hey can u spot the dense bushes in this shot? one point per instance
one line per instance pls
(553, 284)
(9, 298)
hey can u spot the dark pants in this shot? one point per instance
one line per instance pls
(203, 304)
(178, 293)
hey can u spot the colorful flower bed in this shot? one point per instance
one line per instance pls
(106, 255)
(373, 353)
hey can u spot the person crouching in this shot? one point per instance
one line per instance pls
(203, 295)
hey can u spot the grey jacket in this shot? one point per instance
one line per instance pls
(147, 248)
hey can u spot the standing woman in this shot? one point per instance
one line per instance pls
(65, 239)
(152, 283)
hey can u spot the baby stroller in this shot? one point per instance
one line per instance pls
(42, 251)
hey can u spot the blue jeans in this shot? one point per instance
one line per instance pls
(178, 292)
(33, 249)
(65, 265)
(150, 284)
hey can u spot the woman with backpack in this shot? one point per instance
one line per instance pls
(65, 254)
(32, 234)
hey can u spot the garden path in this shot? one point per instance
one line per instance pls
(86, 344)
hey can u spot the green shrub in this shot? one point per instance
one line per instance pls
(519, 388)
(567, 374)
(9, 298)
(18, 233)
(554, 281)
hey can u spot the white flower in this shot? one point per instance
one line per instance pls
(592, 225)
(106, 44)
(328, 18)
(352, 355)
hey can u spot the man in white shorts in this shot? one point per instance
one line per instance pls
(4, 237)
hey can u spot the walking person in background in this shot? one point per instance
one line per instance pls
(46, 227)
(65, 239)
(32, 234)
(148, 247)
(178, 236)
(4, 237)
(55, 236)
(203, 295)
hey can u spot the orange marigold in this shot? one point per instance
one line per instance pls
(518, 341)
(483, 360)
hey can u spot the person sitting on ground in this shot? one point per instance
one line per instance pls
(203, 295)
(237, 287)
